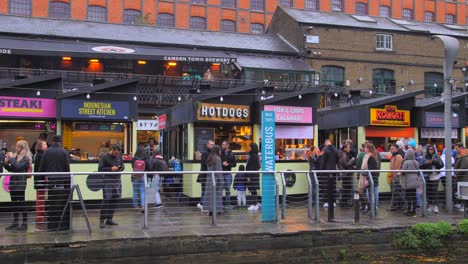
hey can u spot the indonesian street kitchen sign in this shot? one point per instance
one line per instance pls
(92, 109)
(389, 116)
(223, 112)
(28, 107)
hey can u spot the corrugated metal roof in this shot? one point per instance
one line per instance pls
(141, 34)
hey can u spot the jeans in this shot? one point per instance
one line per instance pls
(156, 185)
(138, 191)
(241, 198)
(376, 195)
(203, 192)
(227, 188)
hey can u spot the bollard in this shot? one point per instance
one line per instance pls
(356, 207)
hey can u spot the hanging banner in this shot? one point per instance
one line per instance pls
(291, 114)
(91, 109)
(147, 124)
(437, 133)
(436, 119)
(162, 122)
(28, 107)
(223, 112)
(268, 164)
(389, 116)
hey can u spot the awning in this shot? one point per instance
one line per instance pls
(398, 132)
(12, 46)
(273, 63)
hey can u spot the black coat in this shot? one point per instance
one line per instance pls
(108, 161)
(203, 166)
(18, 182)
(56, 159)
(230, 158)
(253, 164)
(2, 159)
(329, 158)
(39, 180)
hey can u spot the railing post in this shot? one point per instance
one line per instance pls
(283, 206)
(310, 200)
(213, 199)
(371, 194)
(277, 200)
(317, 197)
(423, 195)
(145, 206)
(70, 220)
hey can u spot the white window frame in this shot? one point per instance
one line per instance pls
(384, 42)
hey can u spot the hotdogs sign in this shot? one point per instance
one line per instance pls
(223, 112)
(389, 116)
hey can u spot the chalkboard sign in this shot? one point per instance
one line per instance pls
(202, 135)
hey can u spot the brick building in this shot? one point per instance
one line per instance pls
(230, 15)
(372, 53)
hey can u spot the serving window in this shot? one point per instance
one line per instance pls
(293, 142)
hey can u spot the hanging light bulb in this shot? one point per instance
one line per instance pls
(336, 94)
(262, 98)
(300, 96)
(38, 93)
(402, 88)
(88, 96)
(135, 98)
(370, 92)
(179, 99)
(221, 99)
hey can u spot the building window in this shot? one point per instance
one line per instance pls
(256, 28)
(285, 3)
(312, 5)
(199, 2)
(228, 3)
(97, 13)
(166, 20)
(337, 6)
(383, 82)
(20, 7)
(198, 23)
(433, 84)
(228, 25)
(429, 16)
(257, 5)
(59, 10)
(130, 16)
(407, 14)
(362, 9)
(384, 11)
(384, 42)
(333, 75)
(449, 19)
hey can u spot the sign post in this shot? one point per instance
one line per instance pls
(268, 164)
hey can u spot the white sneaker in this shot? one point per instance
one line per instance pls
(436, 209)
(199, 206)
(458, 206)
(461, 209)
(325, 205)
(253, 208)
(259, 205)
(430, 209)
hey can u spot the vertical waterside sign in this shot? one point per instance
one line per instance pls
(268, 164)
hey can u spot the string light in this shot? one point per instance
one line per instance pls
(402, 88)
(135, 98)
(221, 99)
(38, 93)
(300, 96)
(179, 99)
(88, 96)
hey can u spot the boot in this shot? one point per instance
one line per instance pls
(13, 226)
(23, 227)
(409, 211)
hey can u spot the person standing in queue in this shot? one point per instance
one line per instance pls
(56, 159)
(39, 185)
(16, 163)
(253, 179)
(328, 162)
(112, 188)
(204, 167)
(228, 161)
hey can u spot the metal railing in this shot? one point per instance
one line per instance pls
(180, 202)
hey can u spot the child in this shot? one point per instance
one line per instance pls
(240, 184)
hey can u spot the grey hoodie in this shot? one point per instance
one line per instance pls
(410, 180)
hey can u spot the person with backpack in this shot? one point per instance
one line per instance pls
(159, 164)
(139, 165)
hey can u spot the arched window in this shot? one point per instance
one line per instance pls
(362, 9)
(166, 20)
(384, 11)
(130, 16)
(285, 3)
(228, 25)
(256, 28)
(407, 14)
(228, 3)
(383, 82)
(337, 5)
(450, 19)
(257, 5)
(429, 16)
(97, 13)
(433, 84)
(312, 5)
(20, 7)
(59, 9)
(198, 23)
(333, 75)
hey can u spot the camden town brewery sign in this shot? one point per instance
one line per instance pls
(389, 116)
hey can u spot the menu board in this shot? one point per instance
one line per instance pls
(202, 135)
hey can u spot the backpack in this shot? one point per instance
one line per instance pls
(139, 165)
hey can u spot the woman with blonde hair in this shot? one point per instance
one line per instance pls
(369, 162)
(17, 163)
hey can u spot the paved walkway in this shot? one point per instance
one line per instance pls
(177, 220)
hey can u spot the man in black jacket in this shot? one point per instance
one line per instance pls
(228, 161)
(112, 189)
(55, 159)
(328, 161)
(203, 167)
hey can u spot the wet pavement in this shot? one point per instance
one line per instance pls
(176, 220)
